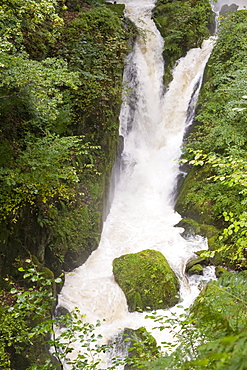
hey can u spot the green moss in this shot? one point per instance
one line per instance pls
(184, 24)
(141, 347)
(219, 270)
(147, 280)
(212, 234)
(192, 227)
(197, 261)
(192, 203)
(117, 8)
(196, 269)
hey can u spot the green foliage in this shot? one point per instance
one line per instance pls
(22, 311)
(73, 328)
(38, 87)
(213, 335)
(11, 327)
(58, 94)
(43, 172)
(217, 147)
(227, 314)
(222, 99)
(185, 339)
(88, 43)
(26, 322)
(28, 329)
(38, 84)
(230, 172)
(222, 307)
(183, 25)
(142, 347)
(18, 18)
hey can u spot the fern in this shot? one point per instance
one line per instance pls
(223, 305)
(217, 325)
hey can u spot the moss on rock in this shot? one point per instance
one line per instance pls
(147, 280)
(195, 261)
(219, 270)
(196, 269)
(183, 24)
(193, 200)
(219, 257)
(141, 346)
(116, 8)
(193, 227)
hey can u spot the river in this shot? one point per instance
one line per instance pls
(142, 216)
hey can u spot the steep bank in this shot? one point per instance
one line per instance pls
(59, 130)
(214, 192)
(60, 96)
(183, 24)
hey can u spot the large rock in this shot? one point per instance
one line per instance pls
(147, 280)
(141, 346)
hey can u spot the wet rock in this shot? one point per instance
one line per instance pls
(141, 346)
(228, 8)
(195, 270)
(62, 315)
(196, 261)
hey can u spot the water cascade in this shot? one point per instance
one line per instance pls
(142, 213)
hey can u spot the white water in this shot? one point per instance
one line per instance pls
(141, 214)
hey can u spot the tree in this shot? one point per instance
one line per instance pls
(19, 18)
(28, 328)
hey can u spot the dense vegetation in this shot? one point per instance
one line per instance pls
(213, 199)
(184, 24)
(215, 190)
(59, 99)
(59, 105)
(213, 336)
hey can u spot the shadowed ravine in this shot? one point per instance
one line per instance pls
(141, 213)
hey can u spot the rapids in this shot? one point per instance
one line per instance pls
(141, 215)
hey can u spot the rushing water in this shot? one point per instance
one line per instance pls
(142, 215)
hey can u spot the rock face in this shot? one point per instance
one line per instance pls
(147, 280)
(195, 265)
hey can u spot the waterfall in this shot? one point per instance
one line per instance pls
(142, 212)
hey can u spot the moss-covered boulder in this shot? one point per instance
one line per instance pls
(211, 232)
(141, 346)
(195, 265)
(196, 269)
(193, 199)
(219, 257)
(192, 227)
(147, 280)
